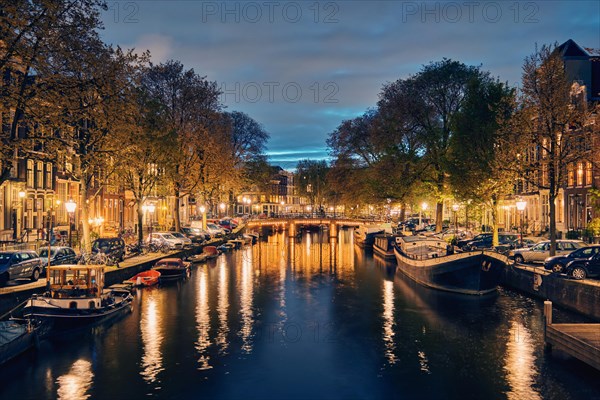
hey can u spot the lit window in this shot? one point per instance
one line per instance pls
(588, 173)
(579, 174)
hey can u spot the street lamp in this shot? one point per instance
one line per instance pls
(455, 210)
(70, 206)
(421, 211)
(203, 211)
(521, 204)
(222, 207)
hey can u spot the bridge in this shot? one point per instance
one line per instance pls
(291, 224)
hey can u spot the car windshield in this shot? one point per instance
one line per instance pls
(168, 236)
(5, 257)
(44, 252)
(177, 234)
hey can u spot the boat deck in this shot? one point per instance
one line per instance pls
(581, 341)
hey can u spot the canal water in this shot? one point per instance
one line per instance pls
(315, 319)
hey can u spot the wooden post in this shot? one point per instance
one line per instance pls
(548, 312)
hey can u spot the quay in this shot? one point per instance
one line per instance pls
(12, 296)
(581, 296)
(581, 341)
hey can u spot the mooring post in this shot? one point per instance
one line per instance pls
(548, 312)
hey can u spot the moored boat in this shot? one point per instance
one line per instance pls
(364, 235)
(16, 337)
(145, 278)
(433, 263)
(172, 269)
(75, 296)
(384, 246)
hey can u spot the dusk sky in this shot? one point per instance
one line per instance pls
(300, 68)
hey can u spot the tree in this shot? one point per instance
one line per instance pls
(312, 180)
(34, 37)
(482, 150)
(184, 103)
(553, 118)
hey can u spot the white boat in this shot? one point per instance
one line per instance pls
(76, 296)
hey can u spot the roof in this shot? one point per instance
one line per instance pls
(572, 49)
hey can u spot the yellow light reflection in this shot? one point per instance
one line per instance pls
(76, 383)
(152, 338)
(203, 321)
(223, 307)
(388, 321)
(520, 363)
(246, 312)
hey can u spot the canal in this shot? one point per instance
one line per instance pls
(316, 319)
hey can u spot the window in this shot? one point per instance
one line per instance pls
(48, 176)
(30, 175)
(39, 175)
(579, 174)
(588, 173)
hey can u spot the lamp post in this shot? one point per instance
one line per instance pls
(455, 210)
(203, 211)
(222, 207)
(423, 208)
(70, 206)
(521, 204)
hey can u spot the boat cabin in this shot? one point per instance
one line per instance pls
(75, 281)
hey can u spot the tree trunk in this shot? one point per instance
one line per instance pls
(86, 244)
(140, 218)
(439, 207)
(552, 217)
(177, 217)
(495, 239)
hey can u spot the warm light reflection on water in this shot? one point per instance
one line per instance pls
(388, 321)
(152, 337)
(246, 291)
(203, 320)
(520, 364)
(75, 384)
(223, 307)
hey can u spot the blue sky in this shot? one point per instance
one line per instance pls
(301, 67)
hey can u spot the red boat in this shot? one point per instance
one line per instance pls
(145, 278)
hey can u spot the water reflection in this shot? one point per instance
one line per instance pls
(388, 321)
(203, 321)
(520, 364)
(223, 307)
(246, 294)
(76, 383)
(152, 338)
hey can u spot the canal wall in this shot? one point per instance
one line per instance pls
(580, 296)
(13, 296)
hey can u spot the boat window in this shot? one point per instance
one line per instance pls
(92, 304)
(73, 304)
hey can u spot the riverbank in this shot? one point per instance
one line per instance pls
(582, 296)
(13, 295)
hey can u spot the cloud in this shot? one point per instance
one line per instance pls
(341, 53)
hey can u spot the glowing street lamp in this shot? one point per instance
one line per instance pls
(521, 204)
(203, 211)
(455, 209)
(421, 211)
(70, 206)
(222, 207)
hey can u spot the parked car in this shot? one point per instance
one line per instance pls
(113, 247)
(228, 223)
(215, 230)
(462, 243)
(541, 251)
(197, 235)
(584, 268)
(19, 264)
(486, 242)
(58, 256)
(186, 241)
(161, 238)
(558, 263)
